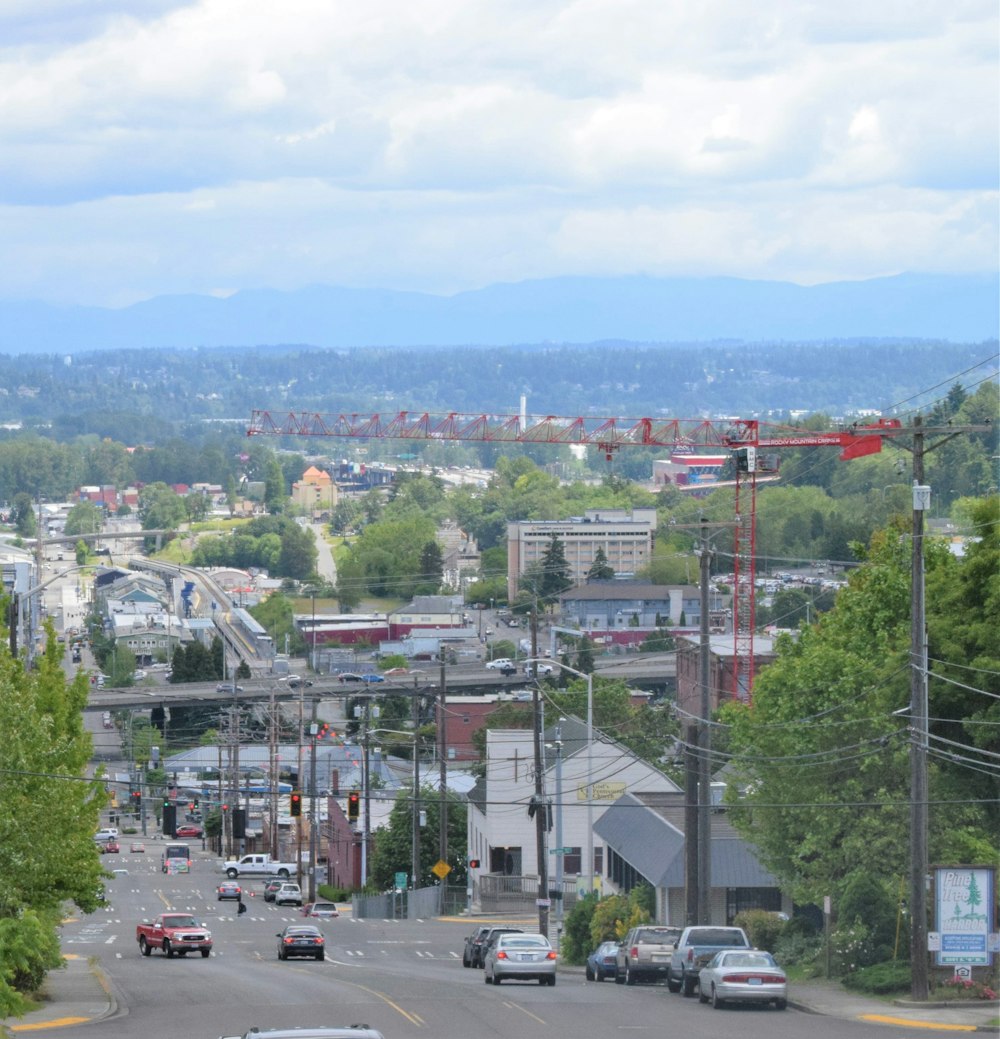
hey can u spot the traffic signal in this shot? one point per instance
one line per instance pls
(473, 863)
(169, 819)
(137, 799)
(353, 806)
(295, 800)
(239, 822)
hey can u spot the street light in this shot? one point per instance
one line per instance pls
(590, 759)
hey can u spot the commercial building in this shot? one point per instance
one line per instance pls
(626, 538)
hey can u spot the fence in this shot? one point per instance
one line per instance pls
(499, 893)
(409, 905)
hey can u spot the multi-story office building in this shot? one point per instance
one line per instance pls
(626, 537)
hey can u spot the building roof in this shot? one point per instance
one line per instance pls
(647, 830)
(725, 645)
(626, 590)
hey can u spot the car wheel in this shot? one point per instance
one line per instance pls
(281, 955)
(205, 953)
(487, 979)
(144, 947)
(781, 1004)
(619, 976)
(717, 1004)
(231, 873)
(320, 956)
(590, 974)
(168, 948)
(702, 995)
(688, 986)
(182, 952)
(552, 981)
(465, 960)
(630, 978)
(497, 979)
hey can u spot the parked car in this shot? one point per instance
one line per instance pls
(742, 976)
(603, 962)
(301, 940)
(644, 955)
(288, 894)
(523, 957)
(492, 933)
(320, 910)
(271, 888)
(470, 954)
(188, 830)
(695, 947)
(229, 889)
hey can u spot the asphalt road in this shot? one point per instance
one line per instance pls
(405, 978)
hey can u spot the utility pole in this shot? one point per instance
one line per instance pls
(704, 740)
(415, 805)
(442, 782)
(918, 734)
(313, 816)
(541, 819)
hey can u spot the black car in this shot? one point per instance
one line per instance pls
(482, 944)
(301, 940)
(271, 888)
(468, 958)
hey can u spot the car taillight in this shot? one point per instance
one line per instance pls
(690, 956)
(634, 952)
(550, 955)
(744, 979)
(501, 955)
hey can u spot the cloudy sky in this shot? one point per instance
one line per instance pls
(151, 146)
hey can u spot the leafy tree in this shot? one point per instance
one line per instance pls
(431, 569)
(600, 569)
(275, 491)
(275, 614)
(393, 853)
(84, 518)
(22, 515)
(658, 642)
(161, 508)
(350, 583)
(585, 655)
(821, 756)
(555, 577)
(49, 811)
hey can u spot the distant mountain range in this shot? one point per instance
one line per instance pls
(555, 310)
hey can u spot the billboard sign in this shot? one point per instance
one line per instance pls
(964, 912)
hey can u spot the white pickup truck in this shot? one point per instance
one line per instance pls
(257, 866)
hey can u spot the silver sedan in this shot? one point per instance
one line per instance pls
(524, 957)
(742, 976)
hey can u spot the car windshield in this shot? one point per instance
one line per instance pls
(747, 959)
(179, 921)
(324, 907)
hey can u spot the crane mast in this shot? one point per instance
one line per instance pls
(745, 438)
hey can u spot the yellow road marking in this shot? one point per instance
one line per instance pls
(414, 1019)
(884, 1019)
(517, 1006)
(59, 1022)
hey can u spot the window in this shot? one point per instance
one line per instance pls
(572, 862)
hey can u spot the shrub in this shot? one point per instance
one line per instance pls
(763, 928)
(852, 948)
(576, 940)
(794, 948)
(880, 978)
(865, 900)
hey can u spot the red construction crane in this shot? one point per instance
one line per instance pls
(748, 439)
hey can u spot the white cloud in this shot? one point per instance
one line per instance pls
(452, 143)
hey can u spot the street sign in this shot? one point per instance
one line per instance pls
(560, 851)
(401, 881)
(440, 869)
(543, 903)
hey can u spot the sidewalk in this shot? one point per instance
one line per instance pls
(80, 993)
(75, 995)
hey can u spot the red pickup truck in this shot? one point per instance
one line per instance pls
(174, 933)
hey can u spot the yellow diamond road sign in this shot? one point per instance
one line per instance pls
(440, 869)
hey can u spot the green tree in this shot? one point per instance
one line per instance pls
(392, 853)
(585, 655)
(555, 577)
(22, 515)
(84, 518)
(275, 491)
(431, 569)
(49, 810)
(600, 569)
(161, 508)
